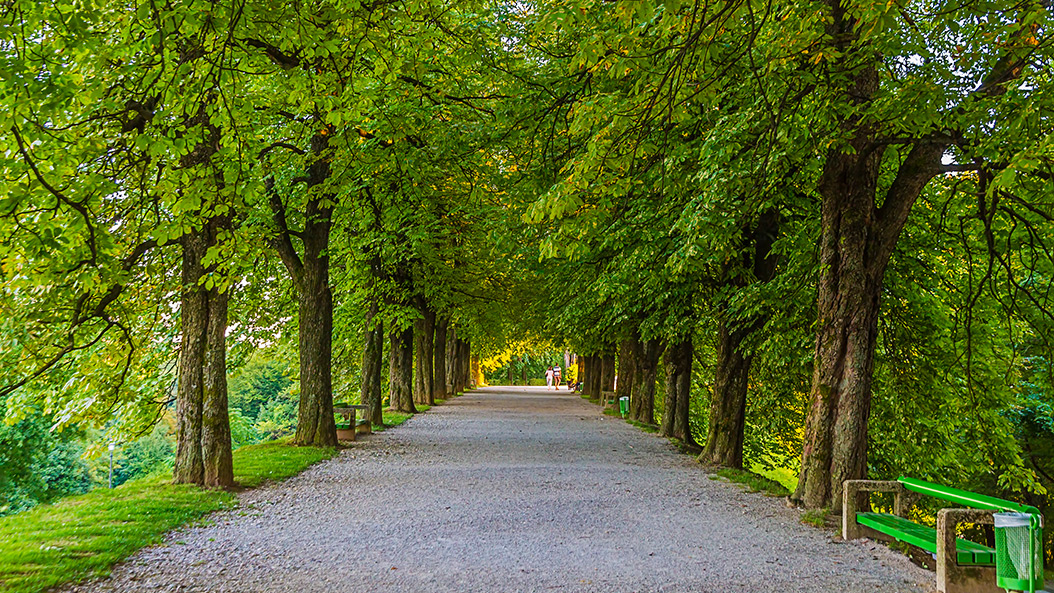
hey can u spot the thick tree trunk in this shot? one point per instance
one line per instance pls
(439, 388)
(372, 364)
(724, 441)
(854, 251)
(424, 336)
(462, 365)
(607, 374)
(678, 362)
(628, 355)
(310, 273)
(401, 363)
(451, 362)
(215, 422)
(315, 422)
(728, 408)
(203, 447)
(644, 382)
(585, 375)
(194, 313)
(595, 375)
(476, 378)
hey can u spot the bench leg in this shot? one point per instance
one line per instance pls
(952, 578)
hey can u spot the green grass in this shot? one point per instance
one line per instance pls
(787, 477)
(392, 419)
(83, 536)
(753, 481)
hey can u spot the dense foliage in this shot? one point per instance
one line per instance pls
(837, 214)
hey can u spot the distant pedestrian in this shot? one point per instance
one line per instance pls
(556, 378)
(549, 374)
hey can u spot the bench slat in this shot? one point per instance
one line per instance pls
(963, 497)
(967, 552)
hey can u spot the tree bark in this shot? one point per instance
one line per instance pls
(194, 312)
(401, 371)
(439, 388)
(585, 376)
(724, 441)
(310, 273)
(424, 336)
(372, 364)
(451, 362)
(203, 447)
(644, 382)
(215, 422)
(628, 355)
(462, 365)
(675, 418)
(474, 370)
(607, 371)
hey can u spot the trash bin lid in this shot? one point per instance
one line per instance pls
(1003, 520)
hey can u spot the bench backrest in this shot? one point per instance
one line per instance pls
(969, 499)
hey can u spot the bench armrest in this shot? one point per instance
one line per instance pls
(947, 521)
(851, 502)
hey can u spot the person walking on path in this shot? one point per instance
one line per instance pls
(549, 378)
(556, 378)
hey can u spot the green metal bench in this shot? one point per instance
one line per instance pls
(962, 566)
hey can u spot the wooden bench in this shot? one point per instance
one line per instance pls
(962, 566)
(608, 400)
(355, 427)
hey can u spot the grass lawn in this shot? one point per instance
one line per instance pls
(787, 477)
(83, 536)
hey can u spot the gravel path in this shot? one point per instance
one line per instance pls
(508, 489)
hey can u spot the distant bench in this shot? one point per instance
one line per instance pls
(962, 566)
(361, 426)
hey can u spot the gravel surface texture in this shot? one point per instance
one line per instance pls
(510, 489)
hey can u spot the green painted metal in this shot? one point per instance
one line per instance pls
(970, 499)
(966, 552)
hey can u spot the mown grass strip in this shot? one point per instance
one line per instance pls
(84, 536)
(753, 481)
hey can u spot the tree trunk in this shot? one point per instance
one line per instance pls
(853, 259)
(424, 336)
(439, 388)
(724, 441)
(215, 422)
(372, 363)
(628, 355)
(401, 363)
(315, 423)
(510, 379)
(585, 375)
(462, 365)
(203, 447)
(607, 373)
(194, 312)
(675, 418)
(451, 362)
(644, 381)
(310, 273)
(474, 370)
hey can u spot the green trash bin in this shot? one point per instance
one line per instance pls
(1019, 551)
(623, 405)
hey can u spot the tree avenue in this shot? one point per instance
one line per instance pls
(812, 236)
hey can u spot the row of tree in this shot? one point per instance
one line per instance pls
(835, 213)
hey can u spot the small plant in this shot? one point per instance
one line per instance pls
(815, 517)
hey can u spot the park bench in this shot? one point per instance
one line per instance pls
(361, 426)
(962, 566)
(608, 400)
